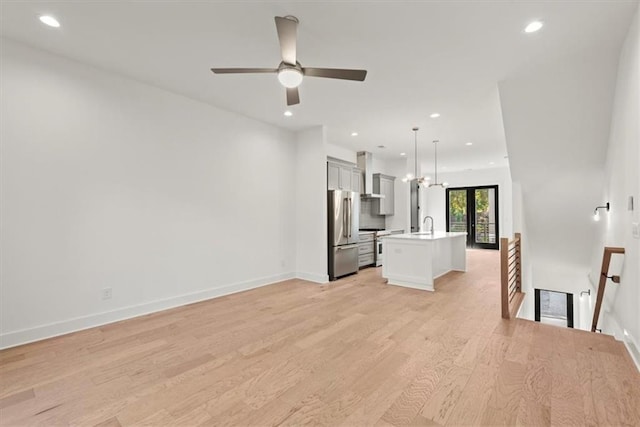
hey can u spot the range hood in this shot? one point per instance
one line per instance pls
(365, 162)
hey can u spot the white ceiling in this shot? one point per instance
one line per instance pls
(422, 57)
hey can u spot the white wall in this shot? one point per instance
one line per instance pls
(622, 180)
(107, 182)
(520, 226)
(435, 197)
(341, 153)
(311, 205)
(556, 117)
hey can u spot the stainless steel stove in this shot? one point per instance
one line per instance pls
(380, 233)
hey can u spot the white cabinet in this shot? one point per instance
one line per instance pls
(343, 177)
(384, 185)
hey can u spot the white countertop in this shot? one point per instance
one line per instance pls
(437, 235)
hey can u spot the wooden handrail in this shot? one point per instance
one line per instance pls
(604, 275)
(511, 275)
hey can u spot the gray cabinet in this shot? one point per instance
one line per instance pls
(384, 185)
(356, 180)
(366, 247)
(343, 176)
(333, 176)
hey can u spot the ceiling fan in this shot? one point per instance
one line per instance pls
(290, 72)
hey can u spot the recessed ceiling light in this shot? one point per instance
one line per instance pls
(403, 154)
(435, 115)
(469, 143)
(50, 21)
(492, 163)
(354, 133)
(288, 113)
(533, 27)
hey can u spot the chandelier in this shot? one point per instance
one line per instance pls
(435, 152)
(409, 177)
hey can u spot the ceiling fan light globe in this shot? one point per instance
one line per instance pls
(290, 77)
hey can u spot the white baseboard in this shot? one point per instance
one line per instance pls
(410, 284)
(313, 277)
(633, 349)
(25, 336)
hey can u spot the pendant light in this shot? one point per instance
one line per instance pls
(409, 177)
(436, 183)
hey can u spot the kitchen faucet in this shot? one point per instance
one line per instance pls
(425, 220)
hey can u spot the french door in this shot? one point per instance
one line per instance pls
(474, 210)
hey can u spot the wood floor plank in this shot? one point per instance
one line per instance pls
(16, 398)
(504, 402)
(353, 352)
(473, 401)
(439, 406)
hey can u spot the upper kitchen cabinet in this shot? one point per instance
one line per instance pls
(384, 185)
(343, 176)
(356, 180)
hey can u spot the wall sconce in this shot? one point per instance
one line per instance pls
(596, 212)
(588, 292)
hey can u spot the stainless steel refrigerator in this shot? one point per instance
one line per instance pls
(344, 215)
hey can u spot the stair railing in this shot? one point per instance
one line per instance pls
(511, 275)
(604, 275)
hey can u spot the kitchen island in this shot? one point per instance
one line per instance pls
(415, 260)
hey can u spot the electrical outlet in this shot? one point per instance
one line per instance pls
(106, 293)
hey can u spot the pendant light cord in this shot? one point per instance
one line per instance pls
(415, 132)
(435, 149)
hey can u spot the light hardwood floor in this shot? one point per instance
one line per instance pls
(353, 352)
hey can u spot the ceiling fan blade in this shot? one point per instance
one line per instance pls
(336, 73)
(243, 70)
(293, 96)
(287, 34)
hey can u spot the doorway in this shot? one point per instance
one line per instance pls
(554, 308)
(474, 210)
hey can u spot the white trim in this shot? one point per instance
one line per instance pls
(629, 343)
(25, 336)
(610, 325)
(313, 277)
(410, 283)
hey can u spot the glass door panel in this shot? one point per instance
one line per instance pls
(485, 220)
(457, 207)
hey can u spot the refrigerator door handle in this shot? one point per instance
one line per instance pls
(345, 218)
(349, 206)
(345, 247)
(350, 217)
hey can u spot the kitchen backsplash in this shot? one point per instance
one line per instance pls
(367, 218)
